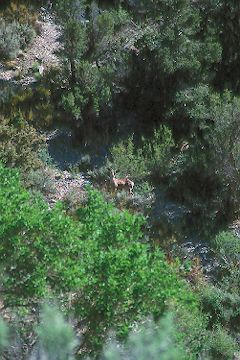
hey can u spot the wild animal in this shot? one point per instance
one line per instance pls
(123, 183)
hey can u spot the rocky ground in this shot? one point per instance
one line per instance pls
(40, 54)
(57, 185)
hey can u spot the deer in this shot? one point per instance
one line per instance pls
(124, 183)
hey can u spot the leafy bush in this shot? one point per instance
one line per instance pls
(222, 345)
(227, 248)
(222, 303)
(20, 12)
(33, 103)
(153, 156)
(225, 138)
(222, 300)
(32, 243)
(158, 151)
(84, 87)
(45, 157)
(91, 92)
(214, 155)
(143, 197)
(3, 335)
(13, 37)
(117, 272)
(115, 277)
(191, 330)
(19, 144)
(9, 40)
(40, 180)
(126, 159)
(181, 335)
(56, 337)
(26, 34)
(153, 341)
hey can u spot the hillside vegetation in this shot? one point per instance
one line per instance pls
(149, 91)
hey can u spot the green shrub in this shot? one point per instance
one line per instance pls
(214, 154)
(3, 335)
(222, 345)
(91, 92)
(144, 197)
(158, 151)
(40, 180)
(13, 37)
(34, 244)
(45, 157)
(151, 341)
(227, 248)
(191, 330)
(18, 11)
(9, 40)
(117, 272)
(33, 103)
(222, 303)
(126, 159)
(26, 34)
(56, 337)
(20, 144)
(115, 277)
(152, 157)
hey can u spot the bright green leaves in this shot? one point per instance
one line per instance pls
(35, 243)
(102, 258)
(124, 280)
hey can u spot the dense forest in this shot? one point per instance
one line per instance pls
(120, 179)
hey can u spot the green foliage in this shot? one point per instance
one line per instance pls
(127, 159)
(40, 180)
(45, 157)
(153, 341)
(222, 302)
(108, 31)
(20, 144)
(195, 102)
(227, 248)
(116, 278)
(222, 345)
(152, 157)
(109, 22)
(117, 272)
(88, 72)
(173, 54)
(74, 199)
(226, 21)
(3, 335)
(26, 34)
(56, 336)
(20, 12)
(35, 105)
(9, 40)
(158, 151)
(33, 242)
(16, 30)
(213, 155)
(191, 330)
(89, 94)
(143, 196)
(225, 138)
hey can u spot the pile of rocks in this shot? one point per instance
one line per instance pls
(64, 183)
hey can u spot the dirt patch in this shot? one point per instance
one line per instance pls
(40, 53)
